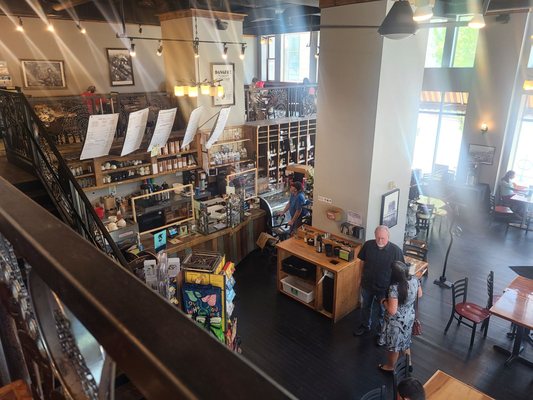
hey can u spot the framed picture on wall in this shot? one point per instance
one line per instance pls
(480, 154)
(226, 74)
(43, 74)
(389, 208)
(120, 67)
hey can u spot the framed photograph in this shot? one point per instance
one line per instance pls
(480, 154)
(43, 74)
(389, 208)
(226, 74)
(120, 67)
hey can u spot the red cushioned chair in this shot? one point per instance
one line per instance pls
(502, 213)
(471, 312)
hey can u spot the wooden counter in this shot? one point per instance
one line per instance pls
(236, 243)
(347, 277)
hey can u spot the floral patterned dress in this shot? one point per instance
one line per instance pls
(396, 333)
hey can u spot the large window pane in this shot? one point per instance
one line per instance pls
(426, 134)
(465, 47)
(449, 145)
(435, 47)
(295, 57)
(530, 60)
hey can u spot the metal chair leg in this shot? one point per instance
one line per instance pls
(473, 336)
(449, 323)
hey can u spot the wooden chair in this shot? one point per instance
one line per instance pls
(491, 299)
(376, 394)
(501, 213)
(420, 253)
(401, 372)
(473, 313)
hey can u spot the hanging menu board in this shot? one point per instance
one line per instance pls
(192, 126)
(163, 127)
(99, 137)
(134, 135)
(222, 119)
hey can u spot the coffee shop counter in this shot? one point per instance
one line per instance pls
(236, 243)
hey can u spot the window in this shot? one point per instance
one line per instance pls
(268, 58)
(295, 53)
(521, 160)
(439, 130)
(452, 47)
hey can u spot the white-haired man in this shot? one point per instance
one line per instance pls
(377, 255)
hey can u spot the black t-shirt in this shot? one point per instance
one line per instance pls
(377, 264)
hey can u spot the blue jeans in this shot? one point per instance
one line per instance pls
(369, 298)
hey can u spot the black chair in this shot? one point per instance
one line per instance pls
(420, 253)
(376, 394)
(501, 213)
(424, 217)
(401, 372)
(473, 313)
(491, 299)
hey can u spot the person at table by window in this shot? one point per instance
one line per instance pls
(377, 256)
(411, 389)
(507, 187)
(295, 206)
(400, 313)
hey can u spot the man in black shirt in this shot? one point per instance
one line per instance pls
(377, 256)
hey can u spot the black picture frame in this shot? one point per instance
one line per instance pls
(43, 74)
(120, 67)
(390, 202)
(481, 154)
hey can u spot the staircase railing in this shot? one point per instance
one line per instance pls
(51, 280)
(29, 145)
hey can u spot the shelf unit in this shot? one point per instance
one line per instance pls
(231, 149)
(93, 175)
(280, 143)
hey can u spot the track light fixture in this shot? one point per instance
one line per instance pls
(50, 27)
(140, 29)
(196, 48)
(225, 52)
(132, 50)
(243, 49)
(477, 22)
(81, 28)
(19, 27)
(159, 51)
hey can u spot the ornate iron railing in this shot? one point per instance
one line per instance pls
(67, 299)
(279, 101)
(28, 144)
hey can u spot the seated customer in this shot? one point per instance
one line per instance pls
(507, 187)
(411, 389)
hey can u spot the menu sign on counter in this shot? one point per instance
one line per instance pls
(192, 126)
(222, 119)
(163, 127)
(99, 137)
(134, 135)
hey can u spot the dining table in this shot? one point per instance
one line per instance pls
(442, 386)
(525, 200)
(516, 305)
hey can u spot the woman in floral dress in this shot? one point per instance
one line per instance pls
(400, 313)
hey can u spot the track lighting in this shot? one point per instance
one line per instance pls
(477, 22)
(140, 29)
(243, 49)
(159, 51)
(196, 48)
(50, 28)
(225, 52)
(132, 50)
(19, 27)
(81, 29)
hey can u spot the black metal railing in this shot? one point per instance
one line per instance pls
(162, 352)
(279, 101)
(28, 144)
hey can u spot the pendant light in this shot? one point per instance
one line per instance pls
(477, 22)
(399, 23)
(19, 27)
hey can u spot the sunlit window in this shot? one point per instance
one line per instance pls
(439, 130)
(295, 56)
(521, 160)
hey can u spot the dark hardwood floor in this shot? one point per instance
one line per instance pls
(316, 359)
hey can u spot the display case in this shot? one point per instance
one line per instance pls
(274, 201)
(230, 149)
(244, 183)
(165, 208)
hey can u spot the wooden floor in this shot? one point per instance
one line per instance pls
(315, 359)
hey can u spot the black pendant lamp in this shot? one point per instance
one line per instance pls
(399, 23)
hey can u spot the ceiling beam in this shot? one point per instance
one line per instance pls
(66, 4)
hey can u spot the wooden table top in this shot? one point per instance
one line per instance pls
(438, 203)
(420, 266)
(302, 250)
(516, 303)
(523, 198)
(442, 386)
